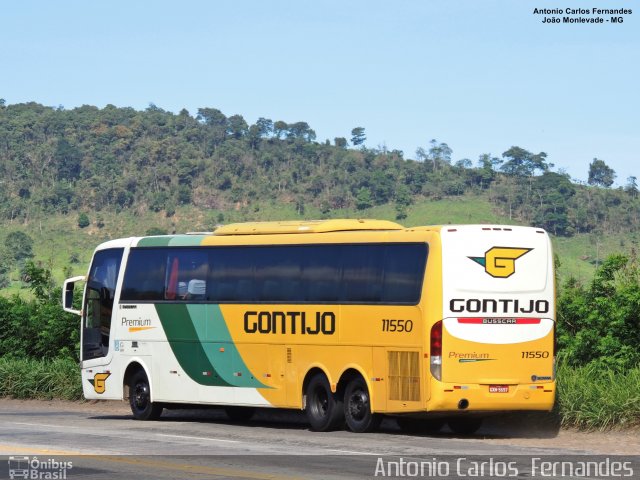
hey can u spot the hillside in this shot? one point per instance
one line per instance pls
(121, 172)
(66, 248)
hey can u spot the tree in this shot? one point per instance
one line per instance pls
(464, 163)
(217, 123)
(522, 163)
(439, 154)
(487, 173)
(212, 117)
(301, 130)
(600, 174)
(5, 267)
(279, 128)
(363, 199)
(632, 186)
(357, 136)
(237, 126)
(83, 220)
(598, 323)
(264, 126)
(68, 159)
(487, 162)
(340, 142)
(401, 211)
(19, 245)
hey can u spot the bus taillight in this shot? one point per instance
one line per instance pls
(436, 350)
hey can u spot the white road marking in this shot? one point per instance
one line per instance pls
(197, 438)
(43, 425)
(351, 452)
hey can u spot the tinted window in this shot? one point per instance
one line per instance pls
(403, 271)
(231, 273)
(278, 274)
(322, 274)
(145, 276)
(186, 277)
(366, 273)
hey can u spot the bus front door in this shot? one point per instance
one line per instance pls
(99, 380)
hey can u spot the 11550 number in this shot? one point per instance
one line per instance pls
(535, 354)
(396, 325)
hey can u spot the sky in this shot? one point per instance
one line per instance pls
(479, 75)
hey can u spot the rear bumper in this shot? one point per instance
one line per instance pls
(447, 397)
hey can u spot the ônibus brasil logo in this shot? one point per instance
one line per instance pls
(500, 262)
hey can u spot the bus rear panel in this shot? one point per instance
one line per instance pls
(495, 344)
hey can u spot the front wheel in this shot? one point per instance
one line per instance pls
(140, 398)
(357, 407)
(323, 408)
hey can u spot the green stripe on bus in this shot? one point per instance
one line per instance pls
(186, 345)
(171, 241)
(154, 242)
(220, 348)
(186, 240)
(203, 346)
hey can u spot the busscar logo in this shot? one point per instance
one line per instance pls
(99, 382)
(500, 262)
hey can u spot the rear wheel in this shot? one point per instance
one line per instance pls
(140, 398)
(429, 426)
(357, 407)
(240, 414)
(324, 409)
(465, 425)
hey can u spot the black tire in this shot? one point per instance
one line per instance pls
(140, 398)
(240, 414)
(430, 426)
(464, 425)
(357, 407)
(323, 409)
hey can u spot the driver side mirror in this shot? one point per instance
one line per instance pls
(67, 295)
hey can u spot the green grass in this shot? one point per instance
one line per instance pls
(592, 398)
(579, 255)
(39, 379)
(57, 237)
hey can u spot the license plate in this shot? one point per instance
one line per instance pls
(498, 388)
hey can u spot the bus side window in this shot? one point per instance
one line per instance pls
(144, 279)
(403, 272)
(230, 276)
(186, 277)
(322, 273)
(277, 274)
(362, 275)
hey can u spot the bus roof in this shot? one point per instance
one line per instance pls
(306, 226)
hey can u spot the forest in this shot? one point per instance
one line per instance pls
(88, 160)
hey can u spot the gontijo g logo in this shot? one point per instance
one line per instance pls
(500, 262)
(99, 382)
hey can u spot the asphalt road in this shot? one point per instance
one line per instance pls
(103, 442)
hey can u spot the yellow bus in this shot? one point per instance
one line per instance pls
(348, 320)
